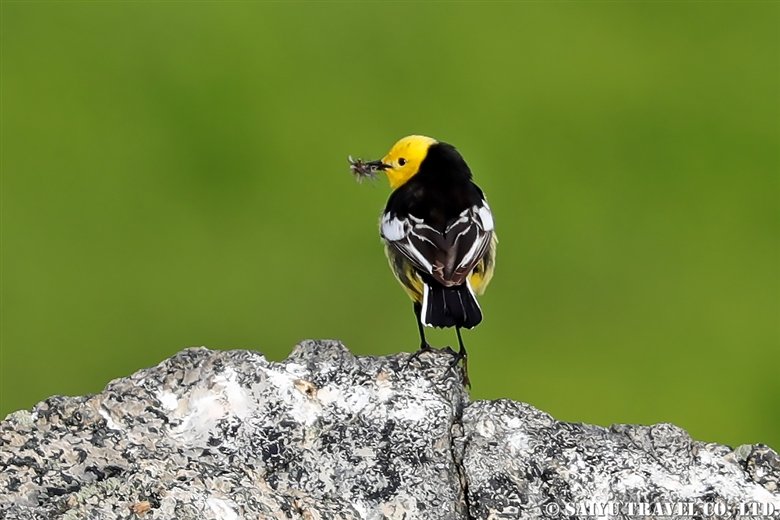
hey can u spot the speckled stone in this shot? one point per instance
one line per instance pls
(326, 435)
(522, 463)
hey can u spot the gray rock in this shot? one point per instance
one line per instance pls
(520, 462)
(327, 435)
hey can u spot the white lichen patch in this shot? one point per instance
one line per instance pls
(223, 509)
(518, 441)
(287, 382)
(628, 481)
(168, 399)
(22, 418)
(413, 411)
(234, 394)
(110, 423)
(356, 400)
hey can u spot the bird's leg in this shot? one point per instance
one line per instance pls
(462, 354)
(424, 346)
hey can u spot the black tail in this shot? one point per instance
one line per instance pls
(450, 306)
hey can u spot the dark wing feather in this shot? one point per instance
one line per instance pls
(449, 255)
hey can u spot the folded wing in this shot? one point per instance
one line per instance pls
(448, 255)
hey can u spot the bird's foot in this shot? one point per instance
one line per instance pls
(424, 349)
(457, 357)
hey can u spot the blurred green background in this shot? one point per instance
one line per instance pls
(174, 174)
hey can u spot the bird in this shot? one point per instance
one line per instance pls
(438, 232)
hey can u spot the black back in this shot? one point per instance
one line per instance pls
(440, 190)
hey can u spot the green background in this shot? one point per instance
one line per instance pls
(174, 174)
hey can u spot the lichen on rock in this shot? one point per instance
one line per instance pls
(328, 435)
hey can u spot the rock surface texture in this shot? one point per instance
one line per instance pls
(327, 435)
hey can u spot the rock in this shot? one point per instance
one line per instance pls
(520, 462)
(327, 435)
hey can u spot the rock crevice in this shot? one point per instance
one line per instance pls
(328, 435)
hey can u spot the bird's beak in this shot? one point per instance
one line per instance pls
(377, 165)
(363, 169)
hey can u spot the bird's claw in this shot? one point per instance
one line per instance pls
(424, 349)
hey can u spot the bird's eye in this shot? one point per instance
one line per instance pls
(401, 161)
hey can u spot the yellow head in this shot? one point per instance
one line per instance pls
(403, 160)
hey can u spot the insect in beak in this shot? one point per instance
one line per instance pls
(366, 169)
